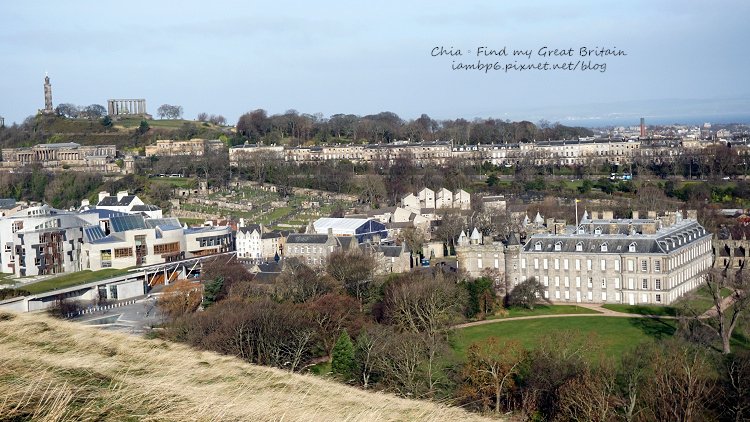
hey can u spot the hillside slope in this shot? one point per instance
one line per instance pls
(54, 370)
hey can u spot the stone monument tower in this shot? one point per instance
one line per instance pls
(47, 96)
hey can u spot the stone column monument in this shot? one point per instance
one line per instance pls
(47, 97)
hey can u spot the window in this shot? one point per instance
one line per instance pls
(565, 264)
(557, 281)
(479, 262)
(536, 263)
(558, 246)
(590, 283)
(557, 263)
(631, 283)
(603, 264)
(567, 295)
(544, 263)
(579, 246)
(657, 265)
(631, 265)
(604, 283)
(167, 248)
(658, 298)
(578, 281)
(604, 296)
(657, 284)
(590, 296)
(617, 283)
(538, 246)
(631, 247)
(545, 281)
(123, 252)
(557, 294)
(578, 265)
(604, 247)
(644, 266)
(567, 281)
(523, 263)
(644, 283)
(589, 265)
(617, 265)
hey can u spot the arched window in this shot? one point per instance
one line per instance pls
(631, 248)
(558, 246)
(538, 246)
(604, 247)
(579, 246)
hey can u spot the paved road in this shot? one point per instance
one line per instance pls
(137, 318)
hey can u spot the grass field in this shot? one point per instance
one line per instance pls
(545, 310)
(74, 279)
(610, 336)
(643, 309)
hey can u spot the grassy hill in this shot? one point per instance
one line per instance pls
(60, 371)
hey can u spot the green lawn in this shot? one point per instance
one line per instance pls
(643, 309)
(612, 335)
(73, 279)
(177, 182)
(545, 310)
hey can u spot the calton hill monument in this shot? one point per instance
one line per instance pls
(47, 97)
(127, 108)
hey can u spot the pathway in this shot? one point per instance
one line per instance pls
(602, 312)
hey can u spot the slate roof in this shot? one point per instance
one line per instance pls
(248, 229)
(271, 235)
(307, 238)
(391, 251)
(7, 203)
(137, 208)
(619, 240)
(111, 201)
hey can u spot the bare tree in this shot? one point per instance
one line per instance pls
(354, 271)
(726, 312)
(489, 370)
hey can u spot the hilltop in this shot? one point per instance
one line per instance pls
(60, 371)
(123, 133)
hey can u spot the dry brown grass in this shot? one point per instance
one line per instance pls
(59, 371)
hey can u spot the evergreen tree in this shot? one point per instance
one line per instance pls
(211, 291)
(343, 363)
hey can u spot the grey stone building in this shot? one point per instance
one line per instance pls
(312, 249)
(631, 261)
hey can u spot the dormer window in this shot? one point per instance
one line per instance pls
(604, 247)
(631, 248)
(579, 246)
(538, 246)
(598, 230)
(558, 246)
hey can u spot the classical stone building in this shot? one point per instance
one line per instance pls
(127, 107)
(194, 147)
(63, 156)
(632, 261)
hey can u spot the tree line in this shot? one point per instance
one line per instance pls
(258, 126)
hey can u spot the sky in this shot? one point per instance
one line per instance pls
(684, 60)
